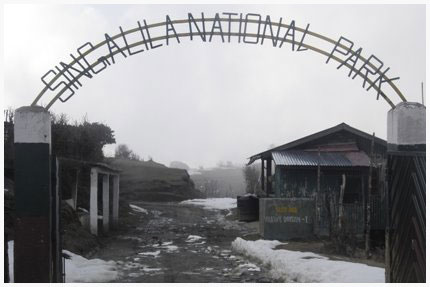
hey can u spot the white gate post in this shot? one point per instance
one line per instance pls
(105, 202)
(115, 199)
(93, 201)
(405, 227)
(33, 246)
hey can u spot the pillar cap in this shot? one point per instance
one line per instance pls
(34, 109)
(32, 124)
(408, 105)
(406, 127)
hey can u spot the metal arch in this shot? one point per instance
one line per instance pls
(181, 35)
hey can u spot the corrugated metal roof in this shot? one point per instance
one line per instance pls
(309, 138)
(303, 158)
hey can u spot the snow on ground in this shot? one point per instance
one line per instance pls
(138, 209)
(193, 238)
(78, 268)
(213, 203)
(149, 269)
(296, 266)
(154, 254)
(250, 267)
(167, 246)
(10, 255)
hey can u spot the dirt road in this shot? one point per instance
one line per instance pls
(182, 243)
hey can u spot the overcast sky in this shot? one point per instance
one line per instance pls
(201, 103)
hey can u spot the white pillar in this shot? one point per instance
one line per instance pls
(33, 206)
(115, 199)
(105, 202)
(406, 139)
(93, 201)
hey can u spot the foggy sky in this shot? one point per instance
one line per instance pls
(201, 103)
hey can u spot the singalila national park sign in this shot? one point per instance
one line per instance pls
(64, 79)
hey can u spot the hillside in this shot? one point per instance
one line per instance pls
(152, 181)
(220, 182)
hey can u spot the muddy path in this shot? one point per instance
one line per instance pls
(171, 242)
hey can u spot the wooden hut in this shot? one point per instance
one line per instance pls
(339, 168)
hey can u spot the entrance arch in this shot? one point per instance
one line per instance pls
(63, 81)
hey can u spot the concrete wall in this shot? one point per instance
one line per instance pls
(286, 218)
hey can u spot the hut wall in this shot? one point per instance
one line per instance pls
(291, 182)
(295, 183)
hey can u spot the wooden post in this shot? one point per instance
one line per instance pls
(317, 196)
(269, 176)
(342, 192)
(75, 190)
(262, 175)
(367, 242)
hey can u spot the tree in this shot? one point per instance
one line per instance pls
(134, 156)
(83, 141)
(124, 152)
(251, 175)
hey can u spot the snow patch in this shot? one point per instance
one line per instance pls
(296, 266)
(213, 203)
(78, 268)
(155, 254)
(250, 267)
(166, 246)
(149, 269)
(193, 238)
(10, 255)
(138, 209)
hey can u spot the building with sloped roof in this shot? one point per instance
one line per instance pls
(332, 167)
